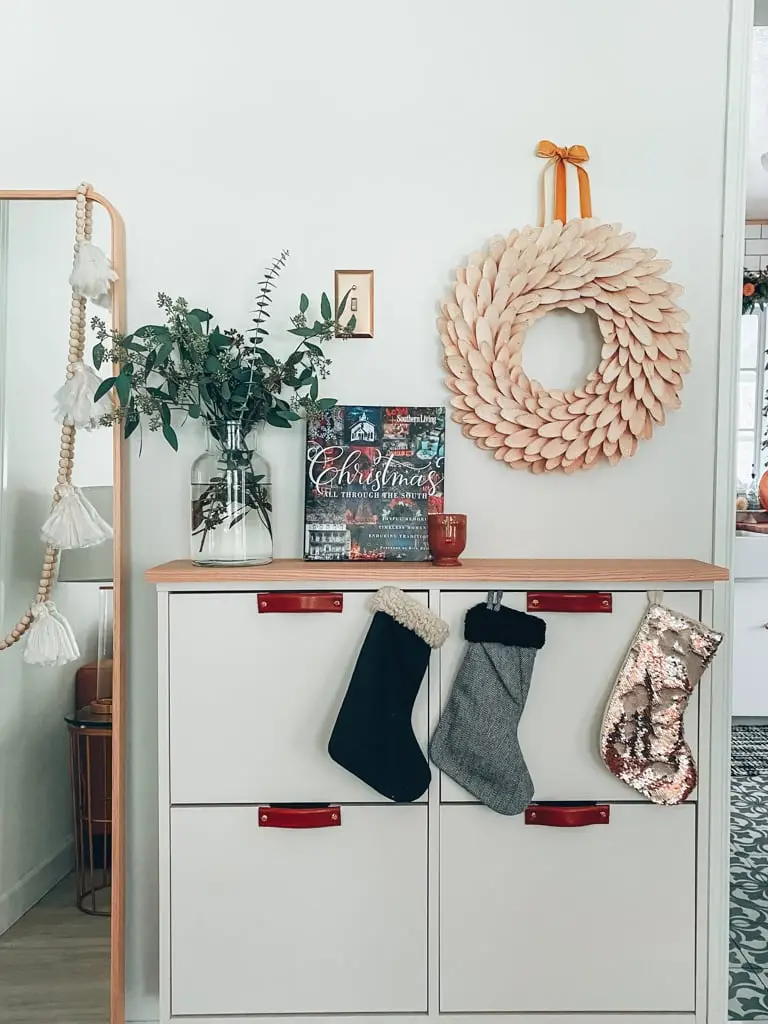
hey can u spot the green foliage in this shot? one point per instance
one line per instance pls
(227, 500)
(754, 293)
(189, 366)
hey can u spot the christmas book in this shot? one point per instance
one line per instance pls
(372, 475)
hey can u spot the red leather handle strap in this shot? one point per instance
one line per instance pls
(299, 817)
(306, 601)
(568, 601)
(566, 816)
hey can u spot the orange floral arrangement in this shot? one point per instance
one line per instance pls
(754, 290)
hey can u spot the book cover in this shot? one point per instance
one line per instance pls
(372, 475)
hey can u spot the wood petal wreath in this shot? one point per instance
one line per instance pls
(582, 265)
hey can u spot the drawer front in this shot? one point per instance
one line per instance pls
(572, 679)
(750, 649)
(277, 919)
(254, 696)
(590, 919)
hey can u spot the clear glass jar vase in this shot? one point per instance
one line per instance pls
(231, 493)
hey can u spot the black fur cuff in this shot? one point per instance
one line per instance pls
(506, 626)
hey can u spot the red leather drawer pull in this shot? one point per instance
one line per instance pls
(567, 816)
(299, 817)
(306, 601)
(565, 601)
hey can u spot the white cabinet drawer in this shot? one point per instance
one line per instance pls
(282, 921)
(750, 649)
(572, 679)
(586, 920)
(253, 700)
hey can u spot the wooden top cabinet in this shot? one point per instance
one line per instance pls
(289, 889)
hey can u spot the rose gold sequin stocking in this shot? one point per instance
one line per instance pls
(641, 740)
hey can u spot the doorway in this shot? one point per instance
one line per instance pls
(748, 864)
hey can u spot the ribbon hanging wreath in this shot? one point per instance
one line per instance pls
(580, 265)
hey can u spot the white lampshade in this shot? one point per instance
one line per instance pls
(91, 565)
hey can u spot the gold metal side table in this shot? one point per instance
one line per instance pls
(90, 761)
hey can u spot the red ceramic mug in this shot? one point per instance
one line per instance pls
(447, 537)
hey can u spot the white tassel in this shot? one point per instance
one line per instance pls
(92, 275)
(50, 640)
(74, 399)
(74, 522)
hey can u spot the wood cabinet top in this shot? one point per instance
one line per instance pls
(483, 570)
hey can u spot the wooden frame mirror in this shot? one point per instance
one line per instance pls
(117, 318)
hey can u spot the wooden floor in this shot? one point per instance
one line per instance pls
(54, 964)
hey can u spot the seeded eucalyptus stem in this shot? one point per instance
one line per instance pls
(215, 505)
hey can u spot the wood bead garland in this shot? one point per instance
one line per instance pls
(77, 321)
(581, 265)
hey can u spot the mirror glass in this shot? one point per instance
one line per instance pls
(55, 742)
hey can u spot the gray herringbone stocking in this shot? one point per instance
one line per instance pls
(475, 742)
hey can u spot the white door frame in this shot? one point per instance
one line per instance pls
(4, 229)
(724, 518)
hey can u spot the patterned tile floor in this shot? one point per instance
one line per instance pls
(748, 998)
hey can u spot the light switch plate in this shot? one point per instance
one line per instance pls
(359, 284)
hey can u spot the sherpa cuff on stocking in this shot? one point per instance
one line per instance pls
(475, 742)
(373, 737)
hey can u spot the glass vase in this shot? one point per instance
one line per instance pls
(231, 500)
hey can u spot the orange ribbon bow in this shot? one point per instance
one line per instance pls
(560, 156)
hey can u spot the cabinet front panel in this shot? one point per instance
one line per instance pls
(271, 920)
(750, 649)
(572, 679)
(253, 699)
(590, 919)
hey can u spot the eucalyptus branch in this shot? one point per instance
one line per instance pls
(263, 300)
(188, 365)
(264, 297)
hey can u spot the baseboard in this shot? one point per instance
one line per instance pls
(30, 889)
(143, 1009)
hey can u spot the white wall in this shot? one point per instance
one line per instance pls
(757, 176)
(397, 136)
(35, 794)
